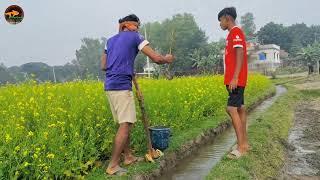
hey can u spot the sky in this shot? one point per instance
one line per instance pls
(51, 31)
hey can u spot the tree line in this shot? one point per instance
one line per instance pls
(181, 35)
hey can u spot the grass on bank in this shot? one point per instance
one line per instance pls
(268, 137)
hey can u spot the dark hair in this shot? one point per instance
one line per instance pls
(229, 11)
(131, 17)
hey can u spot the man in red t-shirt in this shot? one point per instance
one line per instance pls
(235, 78)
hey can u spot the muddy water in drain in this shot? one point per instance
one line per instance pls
(199, 164)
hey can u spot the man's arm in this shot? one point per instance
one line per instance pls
(155, 57)
(103, 64)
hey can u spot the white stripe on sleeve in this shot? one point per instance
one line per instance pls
(143, 44)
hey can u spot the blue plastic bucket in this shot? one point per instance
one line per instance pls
(160, 137)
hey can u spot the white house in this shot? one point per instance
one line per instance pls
(263, 58)
(150, 69)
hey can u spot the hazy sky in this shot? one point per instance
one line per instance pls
(52, 29)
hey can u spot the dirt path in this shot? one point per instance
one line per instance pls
(303, 159)
(309, 83)
(303, 74)
(308, 86)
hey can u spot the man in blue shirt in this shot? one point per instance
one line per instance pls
(118, 62)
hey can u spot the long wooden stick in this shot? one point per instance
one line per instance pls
(172, 46)
(145, 119)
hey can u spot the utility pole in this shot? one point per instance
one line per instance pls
(318, 66)
(318, 61)
(148, 60)
(54, 75)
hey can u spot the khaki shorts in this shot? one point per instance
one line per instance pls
(122, 106)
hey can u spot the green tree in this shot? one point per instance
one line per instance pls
(5, 76)
(311, 53)
(291, 38)
(43, 72)
(88, 58)
(248, 25)
(38, 70)
(273, 33)
(315, 31)
(301, 36)
(208, 59)
(67, 72)
(17, 74)
(180, 33)
(301, 33)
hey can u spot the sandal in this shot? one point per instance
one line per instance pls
(234, 147)
(118, 171)
(235, 154)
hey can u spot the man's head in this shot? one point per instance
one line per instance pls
(130, 22)
(227, 17)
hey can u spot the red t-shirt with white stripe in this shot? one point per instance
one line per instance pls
(235, 39)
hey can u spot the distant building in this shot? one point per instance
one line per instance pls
(150, 69)
(264, 58)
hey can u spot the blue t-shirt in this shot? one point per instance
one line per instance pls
(121, 51)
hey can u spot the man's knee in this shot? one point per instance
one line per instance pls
(125, 127)
(231, 110)
(242, 109)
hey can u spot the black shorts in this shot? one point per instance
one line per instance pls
(236, 97)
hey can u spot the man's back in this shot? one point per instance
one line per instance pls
(121, 51)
